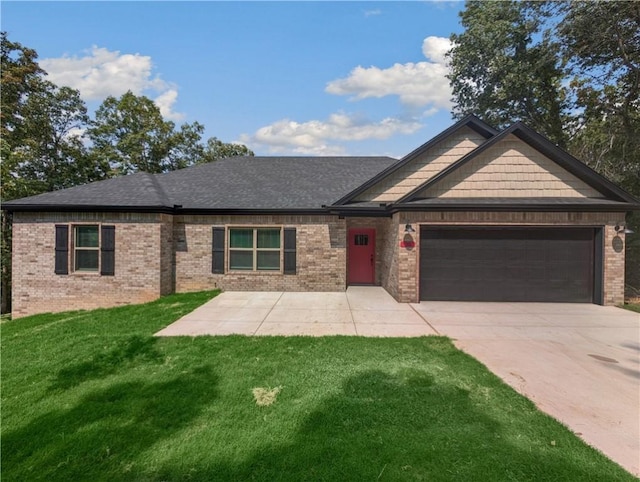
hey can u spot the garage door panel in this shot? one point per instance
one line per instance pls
(507, 264)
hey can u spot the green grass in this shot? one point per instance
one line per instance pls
(93, 396)
(632, 307)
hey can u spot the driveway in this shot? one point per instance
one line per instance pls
(579, 363)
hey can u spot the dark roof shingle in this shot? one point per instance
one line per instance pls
(234, 183)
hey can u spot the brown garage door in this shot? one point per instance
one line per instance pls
(507, 264)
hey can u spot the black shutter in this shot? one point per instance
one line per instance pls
(108, 250)
(217, 252)
(289, 250)
(62, 249)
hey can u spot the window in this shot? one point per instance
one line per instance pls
(254, 249)
(86, 248)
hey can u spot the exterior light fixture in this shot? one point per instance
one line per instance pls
(623, 230)
(409, 229)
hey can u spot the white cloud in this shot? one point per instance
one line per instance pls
(369, 13)
(314, 137)
(416, 84)
(165, 102)
(435, 48)
(101, 73)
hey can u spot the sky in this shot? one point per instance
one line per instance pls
(284, 78)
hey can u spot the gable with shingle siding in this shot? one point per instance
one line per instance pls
(424, 167)
(511, 168)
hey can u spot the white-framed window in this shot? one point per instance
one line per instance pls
(255, 249)
(86, 247)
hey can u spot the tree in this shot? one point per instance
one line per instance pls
(571, 70)
(216, 149)
(505, 67)
(604, 64)
(129, 134)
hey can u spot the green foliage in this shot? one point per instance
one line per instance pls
(129, 134)
(216, 149)
(505, 67)
(95, 396)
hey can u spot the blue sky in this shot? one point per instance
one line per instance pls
(285, 78)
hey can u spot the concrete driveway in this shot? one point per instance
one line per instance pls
(579, 363)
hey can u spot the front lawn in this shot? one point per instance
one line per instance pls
(94, 396)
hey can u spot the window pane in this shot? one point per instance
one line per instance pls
(361, 240)
(241, 238)
(241, 260)
(86, 260)
(87, 236)
(268, 238)
(268, 260)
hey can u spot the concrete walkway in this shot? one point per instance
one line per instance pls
(579, 363)
(361, 310)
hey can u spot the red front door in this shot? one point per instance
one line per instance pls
(362, 249)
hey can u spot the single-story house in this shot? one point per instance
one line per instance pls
(473, 214)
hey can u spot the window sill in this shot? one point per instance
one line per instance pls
(85, 273)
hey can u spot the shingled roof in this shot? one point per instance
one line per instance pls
(239, 183)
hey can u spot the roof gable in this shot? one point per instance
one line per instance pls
(510, 168)
(518, 162)
(422, 163)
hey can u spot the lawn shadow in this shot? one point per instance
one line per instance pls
(106, 430)
(404, 426)
(103, 364)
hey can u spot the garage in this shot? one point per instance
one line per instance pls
(510, 264)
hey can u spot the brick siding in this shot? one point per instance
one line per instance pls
(320, 251)
(158, 254)
(37, 289)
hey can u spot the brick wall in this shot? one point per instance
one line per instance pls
(36, 288)
(407, 289)
(320, 250)
(159, 254)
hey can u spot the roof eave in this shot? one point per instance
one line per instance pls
(488, 207)
(86, 208)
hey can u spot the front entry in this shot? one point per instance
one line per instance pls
(361, 254)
